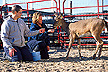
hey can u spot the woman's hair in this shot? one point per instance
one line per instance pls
(16, 8)
(35, 17)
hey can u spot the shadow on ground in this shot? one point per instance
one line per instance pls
(58, 50)
(72, 59)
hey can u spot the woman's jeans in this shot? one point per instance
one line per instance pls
(43, 50)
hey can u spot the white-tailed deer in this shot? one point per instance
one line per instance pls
(75, 30)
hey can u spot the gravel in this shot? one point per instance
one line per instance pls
(57, 62)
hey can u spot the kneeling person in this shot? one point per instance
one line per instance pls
(13, 31)
(37, 24)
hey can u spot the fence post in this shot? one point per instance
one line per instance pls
(98, 7)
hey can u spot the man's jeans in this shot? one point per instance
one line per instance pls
(22, 54)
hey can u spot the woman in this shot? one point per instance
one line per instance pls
(37, 24)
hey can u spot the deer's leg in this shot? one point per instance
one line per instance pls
(94, 56)
(99, 44)
(79, 45)
(71, 37)
(100, 50)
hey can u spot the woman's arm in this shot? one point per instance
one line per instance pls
(41, 36)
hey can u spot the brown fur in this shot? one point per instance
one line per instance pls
(75, 30)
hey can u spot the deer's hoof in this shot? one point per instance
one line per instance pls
(66, 58)
(98, 58)
(94, 56)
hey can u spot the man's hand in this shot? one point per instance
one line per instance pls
(41, 30)
(51, 30)
(11, 52)
(48, 48)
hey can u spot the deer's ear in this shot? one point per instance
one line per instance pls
(55, 14)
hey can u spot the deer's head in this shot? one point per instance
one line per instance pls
(58, 20)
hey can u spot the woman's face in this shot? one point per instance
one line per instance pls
(40, 20)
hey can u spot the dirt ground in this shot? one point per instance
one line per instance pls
(57, 62)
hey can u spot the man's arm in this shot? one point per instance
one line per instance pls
(5, 35)
(5, 38)
(29, 33)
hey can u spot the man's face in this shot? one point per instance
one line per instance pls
(40, 19)
(19, 13)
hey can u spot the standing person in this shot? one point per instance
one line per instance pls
(13, 31)
(37, 24)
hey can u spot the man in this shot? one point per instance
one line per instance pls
(13, 31)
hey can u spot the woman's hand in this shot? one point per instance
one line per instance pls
(51, 30)
(11, 52)
(41, 30)
(48, 48)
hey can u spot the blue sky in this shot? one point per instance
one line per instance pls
(76, 3)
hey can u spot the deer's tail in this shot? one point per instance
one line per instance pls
(106, 26)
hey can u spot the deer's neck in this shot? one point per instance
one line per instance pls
(65, 27)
